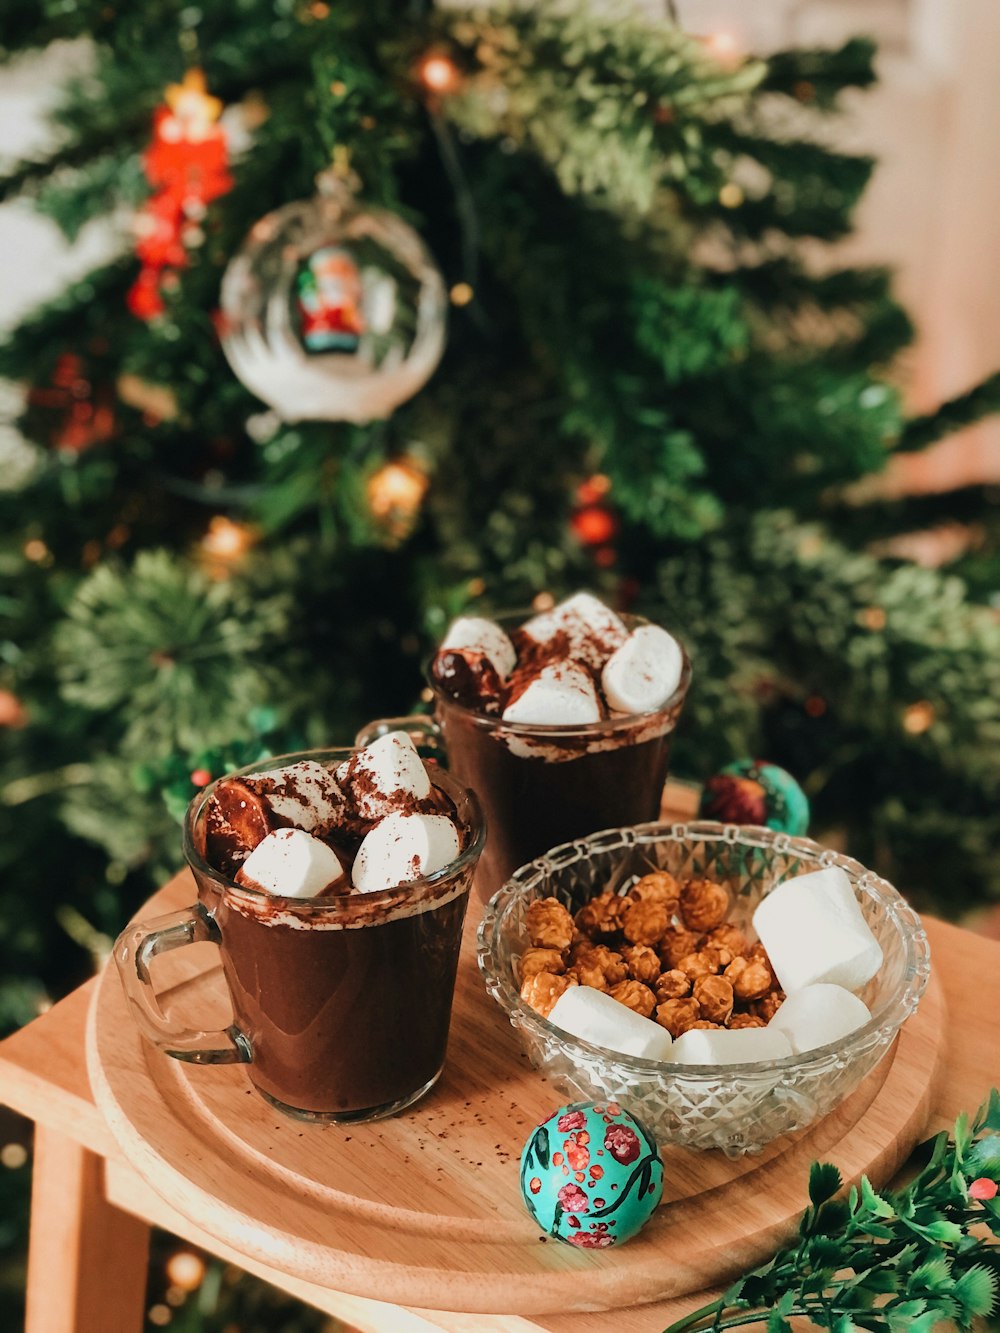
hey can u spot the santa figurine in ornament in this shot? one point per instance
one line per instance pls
(329, 298)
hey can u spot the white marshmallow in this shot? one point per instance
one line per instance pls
(482, 636)
(813, 930)
(386, 773)
(644, 672)
(593, 629)
(306, 794)
(560, 695)
(292, 863)
(594, 1016)
(403, 847)
(729, 1046)
(817, 1015)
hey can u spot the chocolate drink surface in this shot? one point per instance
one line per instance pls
(342, 1020)
(532, 805)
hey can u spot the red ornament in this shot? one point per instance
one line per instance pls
(70, 410)
(200, 777)
(187, 165)
(594, 525)
(983, 1188)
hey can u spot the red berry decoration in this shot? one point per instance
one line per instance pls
(983, 1188)
(200, 777)
(594, 525)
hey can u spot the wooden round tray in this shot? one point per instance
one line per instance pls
(424, 1209)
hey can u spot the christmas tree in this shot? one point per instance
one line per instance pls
(650, 385)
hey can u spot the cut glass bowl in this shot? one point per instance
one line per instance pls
(735, 1108)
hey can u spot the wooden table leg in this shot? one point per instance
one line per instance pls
(87, 1260)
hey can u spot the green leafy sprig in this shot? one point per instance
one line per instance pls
(900, 1262)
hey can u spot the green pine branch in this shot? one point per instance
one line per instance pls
(958, 412)
(899, 1262)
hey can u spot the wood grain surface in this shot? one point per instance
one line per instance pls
(424, 1209)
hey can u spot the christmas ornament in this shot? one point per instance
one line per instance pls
(594, 525)
(69, 411)
(591, 1175)
(333, 311)
(752, 792)
(187, 166)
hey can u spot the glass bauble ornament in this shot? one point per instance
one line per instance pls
(333, 311)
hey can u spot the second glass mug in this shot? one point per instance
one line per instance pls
(323, 990)
(541, 786)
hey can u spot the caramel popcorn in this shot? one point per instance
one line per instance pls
(587, 973)
(756, 953)
(635, 996)
(749, 980)
(768, 1006)
(599, 957)
(727, 937)
(715, 996)
(602, 917)
(705, 1023)
(738, 1021)
(703, 904)
(720, 957)
(643, 963)
(657, 887)
(672, 985)
(676, 944)
(543, 989)
(645, 922)
(698, 964)
(677, 1015)
(541, 960)
(550, 926)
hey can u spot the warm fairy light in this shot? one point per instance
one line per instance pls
(919, 717)
(185, 1270)
(439, 74)
(731, 196)
(543, 601)
(396, 490)
(226, 540)
(723, 45)
(593, 490)
(461, 294)
(872, 617)
(35, 550)
(338, 87)
(13, 1155)
(12, 713)
(160, 1315)
(476, 587)
(200, 777)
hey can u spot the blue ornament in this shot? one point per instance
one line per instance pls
(750, 791)
(591, 1175)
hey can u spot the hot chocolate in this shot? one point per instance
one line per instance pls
(561, 723)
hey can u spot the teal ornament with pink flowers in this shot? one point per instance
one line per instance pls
(591, 1175)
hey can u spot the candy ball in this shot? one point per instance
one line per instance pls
(591, 1175)
(750, 791)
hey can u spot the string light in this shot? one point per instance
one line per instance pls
(461, 294)
(185, 1270)
(543, 601)
(731, 195)
(396, 492)
(160, 1315)
(226, 540)
(919, 717)
(872, 617)
(12, 712)
(439, 74)
(36, 551)
(13, 1155)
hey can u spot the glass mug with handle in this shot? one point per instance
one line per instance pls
(541, 786)
(323, 988)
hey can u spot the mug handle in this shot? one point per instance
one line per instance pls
(422, 730)
(134, 949)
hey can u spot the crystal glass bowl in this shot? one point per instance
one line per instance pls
(736, 1108)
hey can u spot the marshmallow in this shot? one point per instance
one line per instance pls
(813, 930)
(644, 672)
(592, 629)
(403, 847)
(305, 794)
(730, 1046)
(385, 774)
(560, 695)
(477, 635)
(594, 1016)
(292, 863)
(818, 1015)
